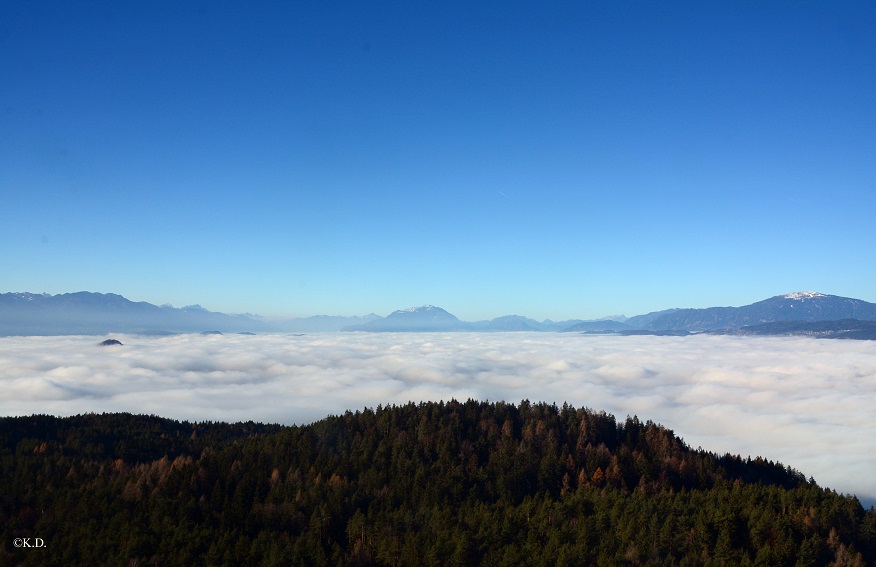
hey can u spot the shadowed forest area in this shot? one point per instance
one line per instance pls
(450, 483)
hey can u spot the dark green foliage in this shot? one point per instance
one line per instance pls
(432, 483)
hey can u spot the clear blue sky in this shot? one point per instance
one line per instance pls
(565, 160)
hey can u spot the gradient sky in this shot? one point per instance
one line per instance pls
(575, 159)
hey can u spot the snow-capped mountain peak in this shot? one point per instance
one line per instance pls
(800, 295)
(424, 318)
(417, 309)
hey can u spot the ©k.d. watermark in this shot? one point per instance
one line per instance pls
(29, 542)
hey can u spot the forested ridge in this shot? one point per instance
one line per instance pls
(450, 483)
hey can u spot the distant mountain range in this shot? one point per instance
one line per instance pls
(87, 313)
(415, 319)
(431, 318)
(803, 306)
(799, 313)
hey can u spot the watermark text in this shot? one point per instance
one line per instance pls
(29, 542)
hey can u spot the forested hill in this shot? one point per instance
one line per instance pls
(432, 483)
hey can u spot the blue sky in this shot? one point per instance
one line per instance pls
(572, 160)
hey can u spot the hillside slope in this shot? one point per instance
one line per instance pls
(431, 483)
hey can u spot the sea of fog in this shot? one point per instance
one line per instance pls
(805, 402)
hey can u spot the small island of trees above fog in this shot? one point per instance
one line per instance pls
(421, 484)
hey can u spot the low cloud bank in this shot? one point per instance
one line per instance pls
(807, 403)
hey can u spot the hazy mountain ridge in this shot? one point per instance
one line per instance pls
(604, 326)
(98, 313)
(642, 321)
(324, 323)
(91, 313)
(798, 306)
(521, 323)
(509, 323)
(413, 319)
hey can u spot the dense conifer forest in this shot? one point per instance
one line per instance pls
(452, 483)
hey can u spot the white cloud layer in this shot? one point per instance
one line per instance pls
(807, 403)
